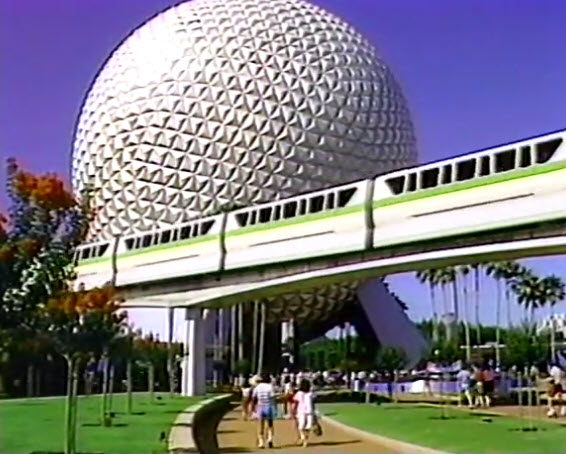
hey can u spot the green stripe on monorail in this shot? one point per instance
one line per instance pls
(470, 184)
(339, 212)
(156, 248)
(334, 213)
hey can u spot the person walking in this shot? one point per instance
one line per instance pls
(304, 401)
(288, 393)
(464, 379)
(247, 390)
(264, 400)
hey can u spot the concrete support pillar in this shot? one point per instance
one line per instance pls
(193, 372)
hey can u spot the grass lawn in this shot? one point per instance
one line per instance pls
(28, 425)
(463, 431)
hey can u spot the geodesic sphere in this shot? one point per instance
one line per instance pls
(234, 101)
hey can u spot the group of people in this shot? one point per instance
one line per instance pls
(476, 385)
(260, 397)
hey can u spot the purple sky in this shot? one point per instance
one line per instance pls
(475, 72)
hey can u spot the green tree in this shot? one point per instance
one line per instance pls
(80, 323)
(430, 277)
(464, 271)
(476, 267)
(390, 359)
(554, 292)
(152, 354)
(522, 349)
(37, 240)
(496, 270)
(531, 294)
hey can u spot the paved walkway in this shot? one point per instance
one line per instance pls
(235, 435)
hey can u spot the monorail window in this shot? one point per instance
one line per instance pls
(205, 227)
(526, 159)
(485, 166)
(129, 244)
(195, 231)
(545, 150)
(429, 178)
(146, 240)
(465, 170)
(396, 184)
(137, 243)
(175, 235)
(290, 210)
(505, 161)
(102, 249)
(242, 219)
(185, 232)
(265, 215)
(303, 207)
(412, 184)
(447, 174)
(277, 213)
(85, 253)
(345, 195)
(330, 198)
(166, 236)
(316, 204)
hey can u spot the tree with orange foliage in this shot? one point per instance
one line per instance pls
(37, 239)
(81, 323)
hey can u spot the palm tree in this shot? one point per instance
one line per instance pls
(476, 267)
(554, 290)
(444, 277)
(496, 271)
(509, 270)
(261, 339)
(254, 334)
(464, 271)
(530, 294)
(430, 277)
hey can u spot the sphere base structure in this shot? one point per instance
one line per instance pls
(193, 375)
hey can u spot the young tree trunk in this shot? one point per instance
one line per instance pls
(170, 359)
(477, 304)
(466, 319)
(241, 331)
(233, 329)
(261, 340)
(151, 381)
(38, 381)
(435, 334)
(221, 343)
(497, 324)
(111, 387)
(68, 445)
(254, 335)
(508, 308)
(103, 398)
(456, 304)
(30, 379)
(74, 405)
(129, 386)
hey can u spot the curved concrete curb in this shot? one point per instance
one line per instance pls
(395, 445)
(194, 430)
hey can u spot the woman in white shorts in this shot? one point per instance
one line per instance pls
(304, 402)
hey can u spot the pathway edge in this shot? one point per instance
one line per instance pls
(392, 443)
(183, 436)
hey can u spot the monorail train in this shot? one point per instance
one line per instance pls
(510, 185)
